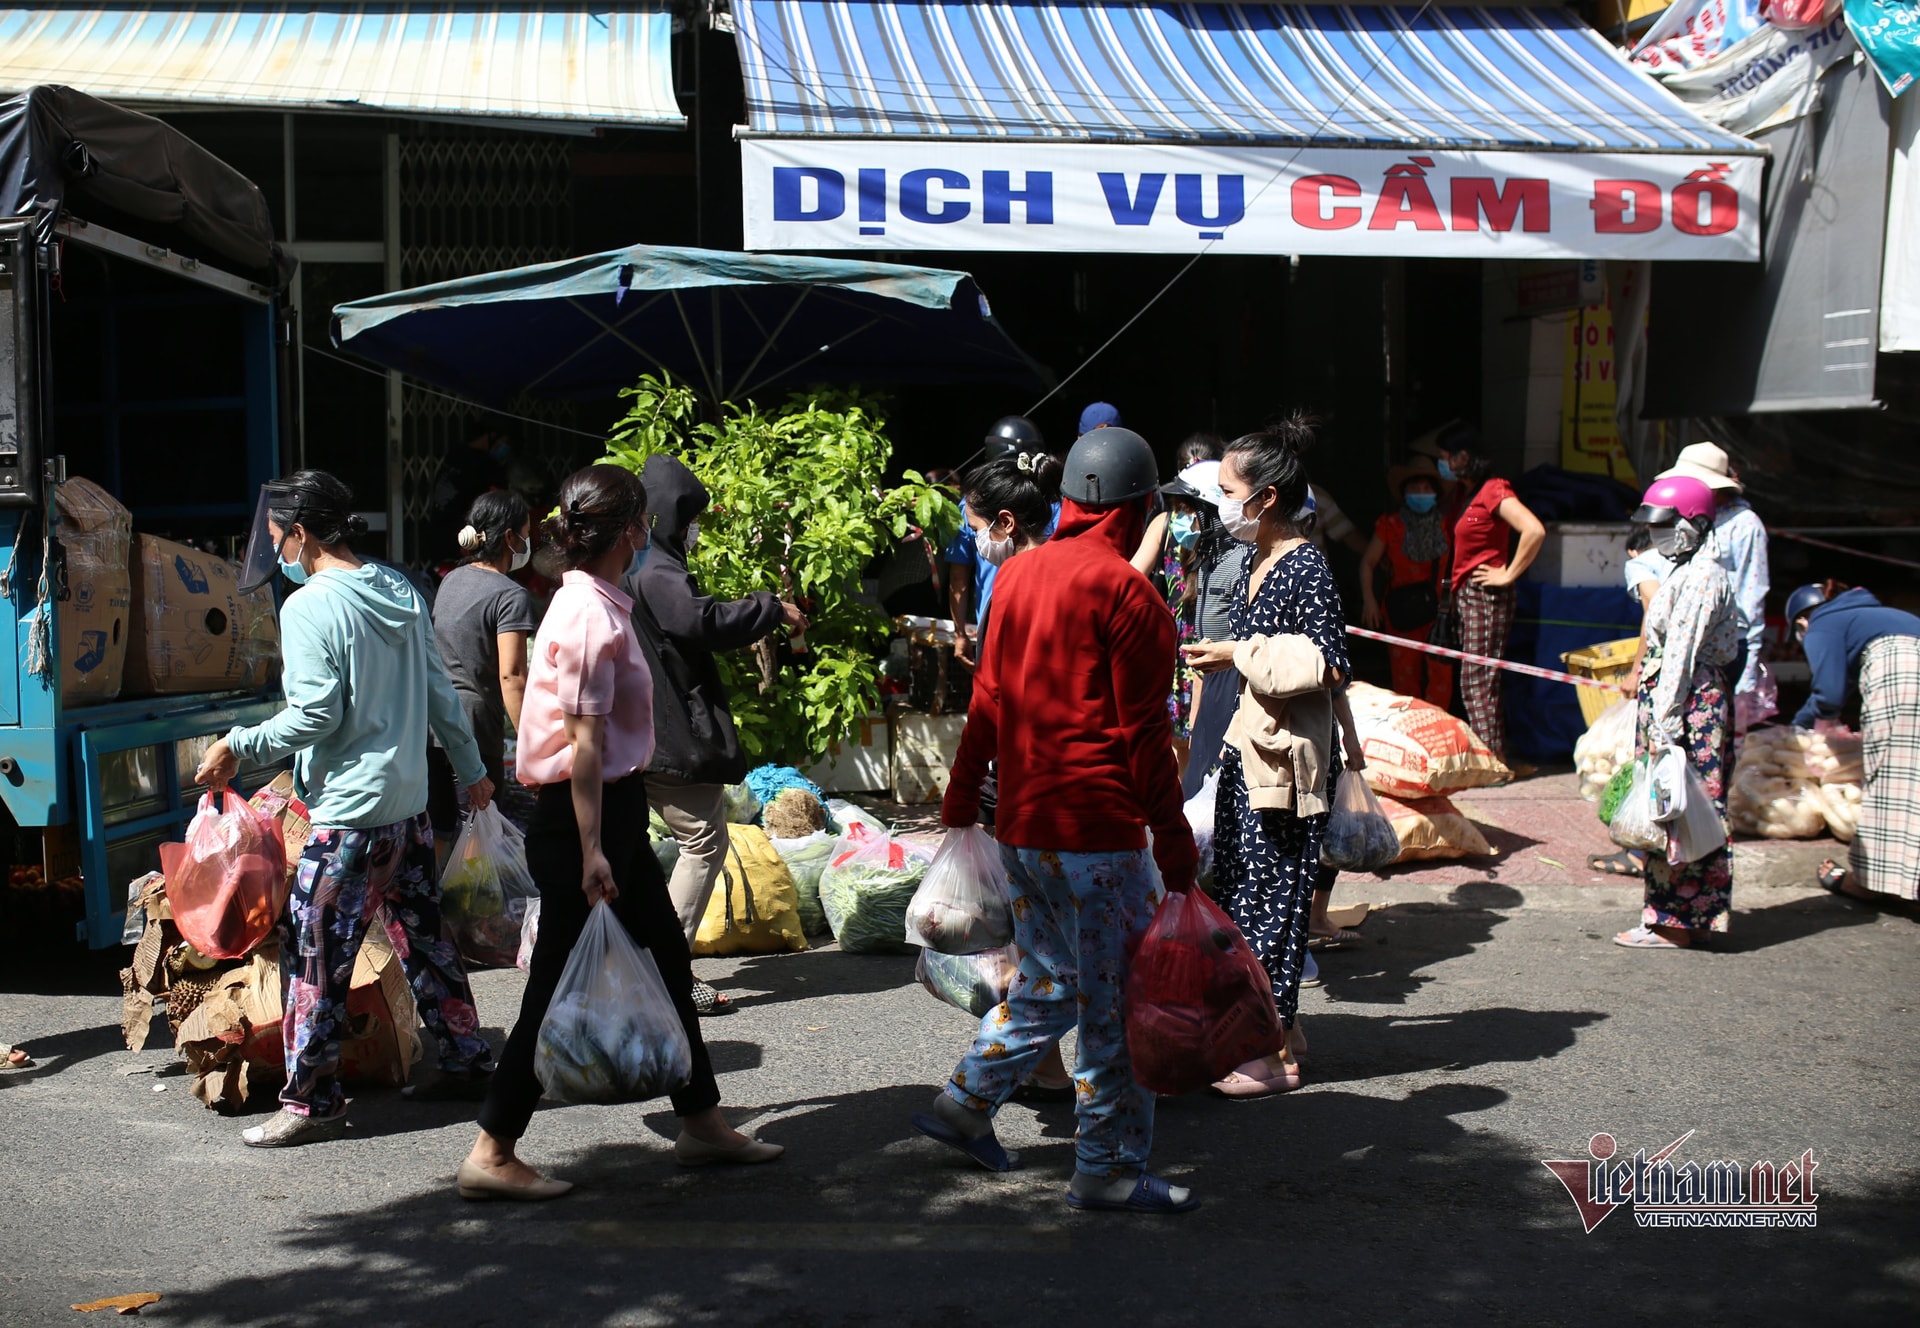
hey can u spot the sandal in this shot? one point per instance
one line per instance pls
(985, 1150)
(1247, 1082)
(1623, 863)
(1150, 1195)
(1644, 937)
(706, 1000)
(1334, 940)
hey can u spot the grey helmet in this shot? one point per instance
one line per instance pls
(1012, 435)
(1108, 467)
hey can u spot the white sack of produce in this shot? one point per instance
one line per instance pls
(1433, 828)
(1417, 750)
(1793, 783)
(1605, 747)
(865, 890)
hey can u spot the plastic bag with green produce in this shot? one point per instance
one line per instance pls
(974, 983)
(611, 1033)
(868, 882)
(485, 889)
(806, 857)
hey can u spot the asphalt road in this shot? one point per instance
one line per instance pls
(1476, 1034)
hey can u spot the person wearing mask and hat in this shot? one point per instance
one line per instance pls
(364, 685)
(1487, 563)
(1858, 648)
(1413, 542)
(1739, 544)
(1686, 702)
(1071, 699)
(969, 576)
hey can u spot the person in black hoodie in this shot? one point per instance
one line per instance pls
(696, 751)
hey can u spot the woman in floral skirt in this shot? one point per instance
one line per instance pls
(1686, 700)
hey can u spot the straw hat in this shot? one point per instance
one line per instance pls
(1420, 467)
(1706, 462)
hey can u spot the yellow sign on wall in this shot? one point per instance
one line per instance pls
(1589, 394)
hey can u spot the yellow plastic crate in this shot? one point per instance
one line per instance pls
(1610, 661)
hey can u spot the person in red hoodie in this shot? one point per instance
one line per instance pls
(1070, 698)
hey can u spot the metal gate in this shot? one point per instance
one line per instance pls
(473, 201)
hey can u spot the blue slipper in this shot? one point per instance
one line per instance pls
(1150, 1195)
(985, 1150)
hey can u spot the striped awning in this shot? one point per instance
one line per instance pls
(566, 63)
(1354, 76)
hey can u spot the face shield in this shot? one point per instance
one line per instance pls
(262, 558)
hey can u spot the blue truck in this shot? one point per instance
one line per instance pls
(142, 339)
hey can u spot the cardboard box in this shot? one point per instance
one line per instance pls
(923, 750)
(861, 764)
(92, 617)
(1582, 554)
(190, 629)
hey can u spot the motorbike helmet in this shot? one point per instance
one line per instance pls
(1681, 510)
(1108, 467)
(1804, 600)
(1011, 434)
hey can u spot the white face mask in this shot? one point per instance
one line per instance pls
(1233, 515)
(521, 556)
(995, 551)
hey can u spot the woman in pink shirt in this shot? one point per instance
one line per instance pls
(586, 733)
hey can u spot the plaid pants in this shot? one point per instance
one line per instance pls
(1486, 618)
(1886, 852)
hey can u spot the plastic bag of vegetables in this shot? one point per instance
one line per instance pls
(611, 1033)
(485, 889)
(962, 908)
(974, 983)
(806, 857)
(1359, 836)
(866, 887)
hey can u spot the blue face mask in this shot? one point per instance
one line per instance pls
(639, 560)
(1422, 502)
(1446, 470)
(1184, 532)
(294, 572)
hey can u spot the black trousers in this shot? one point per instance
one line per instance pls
(644, 908)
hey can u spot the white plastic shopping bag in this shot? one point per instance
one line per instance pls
(611, 1033)
(1634, 824)
(962, 905)
(1697, 828)
(486, 887)
(1359, 836)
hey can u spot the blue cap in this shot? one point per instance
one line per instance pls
(1098, 416)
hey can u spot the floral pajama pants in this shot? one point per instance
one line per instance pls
(1695, 895)
(345, 877)
(1075, 917)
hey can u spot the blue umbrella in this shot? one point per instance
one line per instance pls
(731, 324)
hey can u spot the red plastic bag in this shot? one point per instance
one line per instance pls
(1198, 1001)
(227, 885)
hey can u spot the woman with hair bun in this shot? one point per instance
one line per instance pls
(1281, 761)
(587, 734)
(364, 685)
(482, 618)
(1012, 505)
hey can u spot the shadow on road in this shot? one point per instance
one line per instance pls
(1781, 924)
(1328, 1198)
(769, 979)
(1387, 968)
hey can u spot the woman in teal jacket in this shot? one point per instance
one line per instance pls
(364, 685)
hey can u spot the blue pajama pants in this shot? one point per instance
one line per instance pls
(1075, 915)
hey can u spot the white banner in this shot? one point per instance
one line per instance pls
(903, 194)
(1763, 80)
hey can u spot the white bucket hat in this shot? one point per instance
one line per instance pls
(1706, 462)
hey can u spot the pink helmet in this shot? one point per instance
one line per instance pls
(1674, 498)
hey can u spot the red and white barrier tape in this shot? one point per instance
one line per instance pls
(1531, 670)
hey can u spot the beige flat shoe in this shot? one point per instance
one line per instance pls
(478, 1183)
(691, 1152)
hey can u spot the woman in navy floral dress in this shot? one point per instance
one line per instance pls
(1267, 861)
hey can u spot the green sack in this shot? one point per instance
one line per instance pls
(1615, 790)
